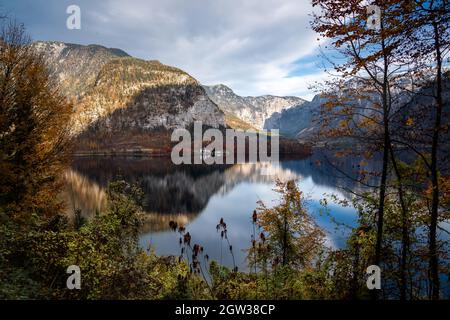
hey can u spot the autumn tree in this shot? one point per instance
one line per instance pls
(431, 41)
(369, 70)
(420, 119)
(288, 229)
(383, 73)
(33, 128)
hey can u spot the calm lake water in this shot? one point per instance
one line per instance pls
(198, 196)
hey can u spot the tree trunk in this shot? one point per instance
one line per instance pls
(434, 261)
(405, 232)
(386, 143)
(285, 245)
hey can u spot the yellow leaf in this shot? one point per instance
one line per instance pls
(409, 122)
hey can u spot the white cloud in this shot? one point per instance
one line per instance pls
(250, 45)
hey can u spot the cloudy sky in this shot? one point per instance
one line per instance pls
(253, 46)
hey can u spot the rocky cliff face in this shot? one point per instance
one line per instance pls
(132, 94)
(303, 122)
(253, 110)
(116, 95)
(76, 66)
(298, 121)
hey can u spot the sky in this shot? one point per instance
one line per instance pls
(255, 47)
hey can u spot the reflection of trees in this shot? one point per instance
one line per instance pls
(155, 222)
(329, 171)
(180, 193)
(168, 189)
(84, 194)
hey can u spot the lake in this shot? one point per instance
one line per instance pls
(198, 196)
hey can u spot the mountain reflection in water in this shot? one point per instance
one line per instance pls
(197, 196)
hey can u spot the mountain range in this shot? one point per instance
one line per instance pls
(119, 99)
(253, 110)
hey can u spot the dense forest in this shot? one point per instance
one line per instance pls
(398, 73)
